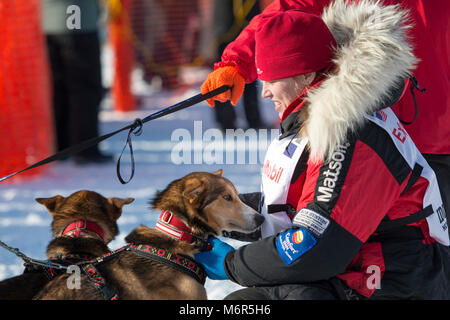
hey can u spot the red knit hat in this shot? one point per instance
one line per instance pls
(291, 43)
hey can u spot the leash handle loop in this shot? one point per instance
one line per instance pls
(136, 129)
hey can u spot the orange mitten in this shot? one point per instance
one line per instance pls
(224, 76)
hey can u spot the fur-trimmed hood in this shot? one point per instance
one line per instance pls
(372, 56)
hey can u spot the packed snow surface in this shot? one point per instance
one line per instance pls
(25, 224)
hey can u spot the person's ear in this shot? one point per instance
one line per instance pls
(305, 79)
(308, 78)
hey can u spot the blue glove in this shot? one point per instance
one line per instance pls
(213, 260)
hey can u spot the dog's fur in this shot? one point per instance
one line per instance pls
(372, 56)
(83, 204)
(23, 287)
(135, 277)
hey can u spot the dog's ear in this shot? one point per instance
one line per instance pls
(51, 203)
(194, 189)
(119, 203)
(218, 172)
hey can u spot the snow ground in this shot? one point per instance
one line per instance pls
(25, 224)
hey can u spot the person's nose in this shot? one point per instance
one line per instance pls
(265, 93)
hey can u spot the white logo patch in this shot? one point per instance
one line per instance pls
(312, 221)
(325, 191)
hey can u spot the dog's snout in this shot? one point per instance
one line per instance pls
(254, 218)
(259, 219)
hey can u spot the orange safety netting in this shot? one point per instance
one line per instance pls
(26, 126)
(162, 36)
(122, 46)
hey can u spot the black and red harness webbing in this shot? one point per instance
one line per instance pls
(87, 264)
(179, 262)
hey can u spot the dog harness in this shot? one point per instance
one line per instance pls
(168, 223)
(87, 264)
(179, 262)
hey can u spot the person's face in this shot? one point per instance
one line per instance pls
(282, 92)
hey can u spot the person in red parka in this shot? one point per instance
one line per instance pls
(351, 207)
(429, 33)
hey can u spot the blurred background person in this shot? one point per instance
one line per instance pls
(165, 35)
(230, 18)
(71, 30)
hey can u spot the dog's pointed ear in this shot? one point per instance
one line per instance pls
(118, 203)
(218, 172)
(194, 189)
(51, 203)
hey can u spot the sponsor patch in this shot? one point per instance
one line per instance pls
(330, 175)
(272, 171)
(292, 244)
(297, 237)
(311, 221)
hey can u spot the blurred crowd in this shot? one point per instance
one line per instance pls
(163, 36)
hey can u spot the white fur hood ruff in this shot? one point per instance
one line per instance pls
(372, 56)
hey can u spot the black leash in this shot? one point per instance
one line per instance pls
(58, 266)
(135, 128)
(31, 261)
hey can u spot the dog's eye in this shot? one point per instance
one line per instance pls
(228, 197)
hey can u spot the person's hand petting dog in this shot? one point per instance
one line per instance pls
(213, 260)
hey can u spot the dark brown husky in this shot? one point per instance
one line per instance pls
(83, 224)
(193, 207)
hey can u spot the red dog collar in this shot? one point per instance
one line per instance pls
(79, 228)
(176, 228)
